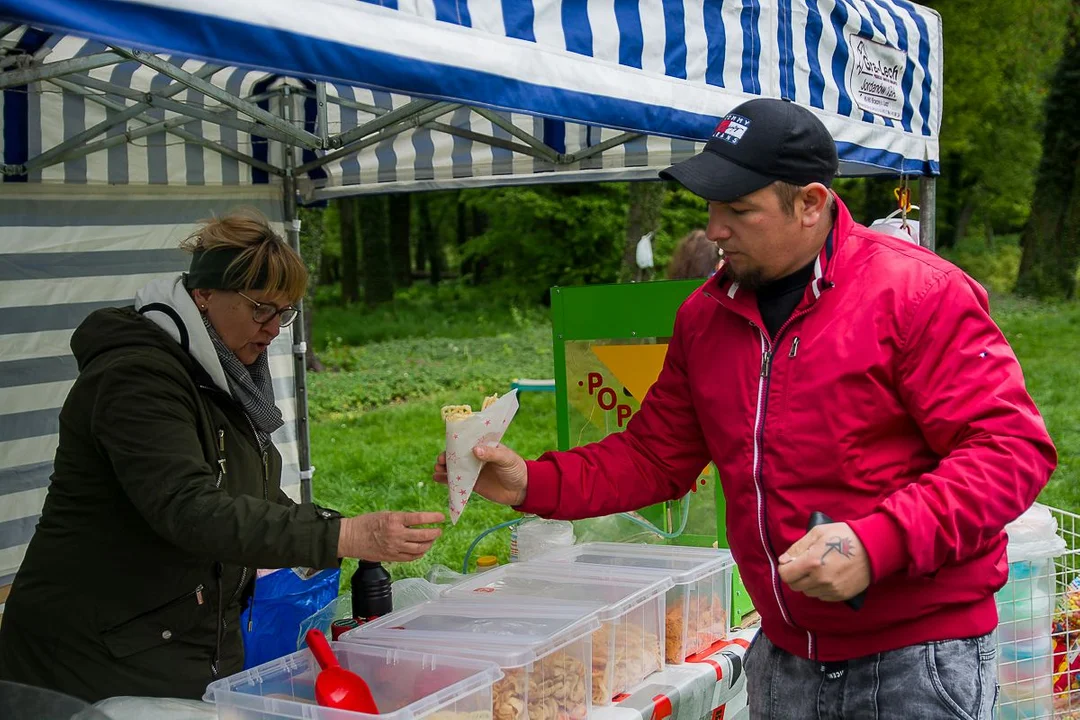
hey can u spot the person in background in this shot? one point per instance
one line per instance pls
(166, 493)
(696, 256)
(826, 368)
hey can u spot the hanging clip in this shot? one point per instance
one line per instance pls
(903, 200)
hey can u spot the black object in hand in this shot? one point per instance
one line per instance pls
(820, 518)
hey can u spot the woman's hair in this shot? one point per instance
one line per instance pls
(695, 257)
(265, 261)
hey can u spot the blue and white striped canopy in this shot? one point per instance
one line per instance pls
(572, 73)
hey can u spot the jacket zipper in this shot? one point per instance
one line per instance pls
(764, 380)
(221, 456)
(759, 438)
(197, 594)
(222, 622)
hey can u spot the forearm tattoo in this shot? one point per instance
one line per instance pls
(840, 545)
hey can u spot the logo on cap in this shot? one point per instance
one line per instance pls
(732, 128)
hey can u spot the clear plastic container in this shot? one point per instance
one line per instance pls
(543, 649)
(627, 648)
(697, 607)
(1025, 641)
(406, 685)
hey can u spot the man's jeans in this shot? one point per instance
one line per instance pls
(950, 679)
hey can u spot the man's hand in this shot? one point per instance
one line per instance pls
(387, 536)
(503, 478)
(828, 563)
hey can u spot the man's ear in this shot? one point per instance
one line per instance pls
(812, 203)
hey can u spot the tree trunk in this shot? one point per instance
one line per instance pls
(421, 234)
(1051, 238)
(350, 276)
(375, 240)
(400, 231)
(646, 201)
(464, 232)
(312, 361)
(964, 218)
(480, 264)
(431, 244)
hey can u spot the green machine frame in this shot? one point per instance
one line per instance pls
(632, 313)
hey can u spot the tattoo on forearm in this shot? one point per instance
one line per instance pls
(840, 545)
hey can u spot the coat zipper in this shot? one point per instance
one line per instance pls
(222, 622)
(759, 437)
(266, 496)
(221, 456)
(197, 594)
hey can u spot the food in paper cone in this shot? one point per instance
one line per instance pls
(465, 430)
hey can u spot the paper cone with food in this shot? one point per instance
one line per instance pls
(465, 430)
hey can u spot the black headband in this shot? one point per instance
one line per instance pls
(210, 270)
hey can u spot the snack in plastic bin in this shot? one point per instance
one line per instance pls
(464, 431)
(1066, 634)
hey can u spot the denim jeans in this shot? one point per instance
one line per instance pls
(949, 679)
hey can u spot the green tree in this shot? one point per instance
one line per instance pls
(645, 205)
(374, 215)
(998, 55)
(349, 231)
(1051, 239)
(539, 236)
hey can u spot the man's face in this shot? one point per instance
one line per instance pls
(760, 241)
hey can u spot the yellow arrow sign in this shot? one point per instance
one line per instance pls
(636, 367)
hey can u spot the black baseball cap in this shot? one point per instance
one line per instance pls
(759, 142)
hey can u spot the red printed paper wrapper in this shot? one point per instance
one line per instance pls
(482, 428)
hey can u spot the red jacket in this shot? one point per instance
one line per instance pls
(889, 400)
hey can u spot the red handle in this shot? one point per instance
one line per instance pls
(316, 641)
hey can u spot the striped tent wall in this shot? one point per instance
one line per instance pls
(63, 254)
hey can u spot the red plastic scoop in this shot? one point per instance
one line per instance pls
(336, 687)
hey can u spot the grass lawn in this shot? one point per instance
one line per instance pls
(376, 427)
(1046, 338)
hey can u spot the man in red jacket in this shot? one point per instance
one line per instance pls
(826, 368)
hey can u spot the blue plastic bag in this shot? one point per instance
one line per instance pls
(282, 601)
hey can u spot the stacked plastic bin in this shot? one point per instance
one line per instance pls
(628, 647)
(697, 606)
(1025, 623)
(543, 648)
(405, 685)
(1025, 652)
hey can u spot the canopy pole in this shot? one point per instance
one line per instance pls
(299, 349)
(928, 212)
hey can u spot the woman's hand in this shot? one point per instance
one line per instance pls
(387, 536)
(503, 478)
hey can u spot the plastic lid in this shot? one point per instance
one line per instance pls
(682, 564)
(487, 561)
(620, 589)
(510, 634)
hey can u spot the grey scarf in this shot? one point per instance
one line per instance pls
(251, 385)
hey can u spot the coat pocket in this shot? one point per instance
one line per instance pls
(157, 626)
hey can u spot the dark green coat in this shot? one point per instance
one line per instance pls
(160, 508)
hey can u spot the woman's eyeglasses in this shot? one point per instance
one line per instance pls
(263, 313)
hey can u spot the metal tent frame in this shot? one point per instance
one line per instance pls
(319, 147)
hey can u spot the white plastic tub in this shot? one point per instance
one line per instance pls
(627, 648)
(697, 606)
(544, 650)
(406, 685)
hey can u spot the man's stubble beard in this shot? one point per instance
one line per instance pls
(750, 279)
